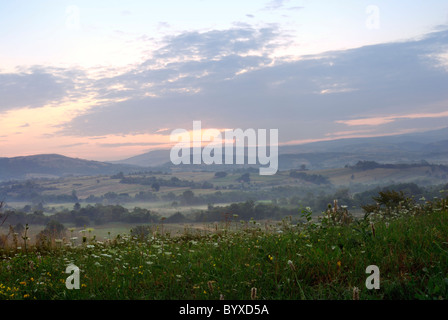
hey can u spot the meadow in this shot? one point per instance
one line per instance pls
(308, 258)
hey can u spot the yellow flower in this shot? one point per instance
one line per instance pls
(339, 264)
(26, 296)
(23, 283)
(83, 285)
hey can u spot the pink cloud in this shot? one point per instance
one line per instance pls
(376, 121)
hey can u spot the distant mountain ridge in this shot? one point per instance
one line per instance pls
(431, 146)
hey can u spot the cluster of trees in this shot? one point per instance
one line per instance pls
(368, 165)
(313, 178)
(156, 183)
(115, 198)
(89, 215)
(244, 211)
(33, 192)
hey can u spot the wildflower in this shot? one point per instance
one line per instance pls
(339, 264)
(26, 296)
(23, 283)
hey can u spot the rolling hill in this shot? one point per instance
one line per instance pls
(54, 165)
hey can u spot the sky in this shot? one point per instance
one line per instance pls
(108, 80)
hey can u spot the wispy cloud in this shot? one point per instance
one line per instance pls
(130, 144)
(375, 121)
(275, 4)
(226, 79)
(280, 4)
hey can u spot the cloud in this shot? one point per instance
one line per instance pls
(281, 4)
(71, 145)
(130, 144)
(387, 119)
(215, 43)
(296, 8)
(227, 79)
(35, 87)
(162, 130)
(275, 4)
(367, 121)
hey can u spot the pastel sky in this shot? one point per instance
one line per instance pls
(107, 80)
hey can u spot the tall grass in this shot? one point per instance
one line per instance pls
(322, 259)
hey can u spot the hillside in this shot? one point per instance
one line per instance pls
(53, 165)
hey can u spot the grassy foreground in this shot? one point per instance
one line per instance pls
(311, 260)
